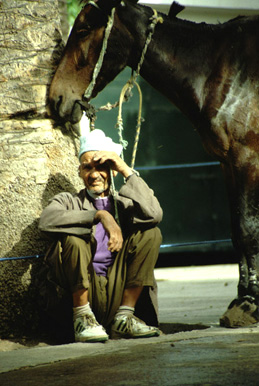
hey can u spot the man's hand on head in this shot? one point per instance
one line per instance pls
(116, 162)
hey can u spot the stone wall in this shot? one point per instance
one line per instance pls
(37, 159)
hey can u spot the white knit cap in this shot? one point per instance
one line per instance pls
(96, 140)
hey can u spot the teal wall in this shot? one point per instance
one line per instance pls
(194, 199)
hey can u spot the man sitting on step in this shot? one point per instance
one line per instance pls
(105, 246)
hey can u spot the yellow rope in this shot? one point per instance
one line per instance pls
(127, 88)
(139, 120)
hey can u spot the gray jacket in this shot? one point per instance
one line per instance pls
(74, 214)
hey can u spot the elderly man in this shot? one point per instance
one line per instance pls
(105, 245)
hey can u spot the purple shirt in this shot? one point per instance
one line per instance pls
(103, 258)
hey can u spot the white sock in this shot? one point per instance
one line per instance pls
(125, 310)
(82, 310)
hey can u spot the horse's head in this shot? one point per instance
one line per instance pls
(83, 53)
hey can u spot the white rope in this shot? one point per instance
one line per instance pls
(99, 63)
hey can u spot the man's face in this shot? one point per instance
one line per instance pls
(96, 176)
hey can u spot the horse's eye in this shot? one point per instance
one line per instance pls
(82, 33)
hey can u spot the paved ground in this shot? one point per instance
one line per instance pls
(190, 299)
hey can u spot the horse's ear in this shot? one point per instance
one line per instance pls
(175, 9)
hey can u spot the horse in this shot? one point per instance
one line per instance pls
(209, 71)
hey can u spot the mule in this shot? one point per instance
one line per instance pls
(210, 72)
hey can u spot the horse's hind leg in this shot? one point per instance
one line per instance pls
(253, 276)
(246, 240)
(244, 201)
(242, 288)
(248, 268)
(248, 276)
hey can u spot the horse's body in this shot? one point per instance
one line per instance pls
(210, 72)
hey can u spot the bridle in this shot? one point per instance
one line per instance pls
(98, 66)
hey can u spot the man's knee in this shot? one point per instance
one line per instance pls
(146, 243)
(152, 237)
(74, 248)
(70, 241)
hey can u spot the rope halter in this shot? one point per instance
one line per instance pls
(98, 66)
(154, 20)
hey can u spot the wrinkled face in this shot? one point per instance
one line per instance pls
(96, 176)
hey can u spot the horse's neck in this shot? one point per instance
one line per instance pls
(172, 65)
(178, 70)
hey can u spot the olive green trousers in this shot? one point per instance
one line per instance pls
(72, 269)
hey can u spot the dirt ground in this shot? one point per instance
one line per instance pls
(194, 349)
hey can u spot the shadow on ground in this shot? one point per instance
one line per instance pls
(51, 340)
(173, 328)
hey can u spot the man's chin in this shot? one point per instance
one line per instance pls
(97, 192)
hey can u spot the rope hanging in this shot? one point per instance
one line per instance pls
(128, 87)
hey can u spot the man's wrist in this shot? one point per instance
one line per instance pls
(127, 172)
(133, 172)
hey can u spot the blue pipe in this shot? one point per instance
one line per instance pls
(161, 247)
(20, 257)
(178, 166)
(195, 243)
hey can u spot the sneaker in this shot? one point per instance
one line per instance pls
(87, 329)
(129, 326)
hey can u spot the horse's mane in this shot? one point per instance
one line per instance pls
(201, 31)
(85, 2)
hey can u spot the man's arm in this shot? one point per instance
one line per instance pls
(141, 201)
(61, 216)
(112, 228)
